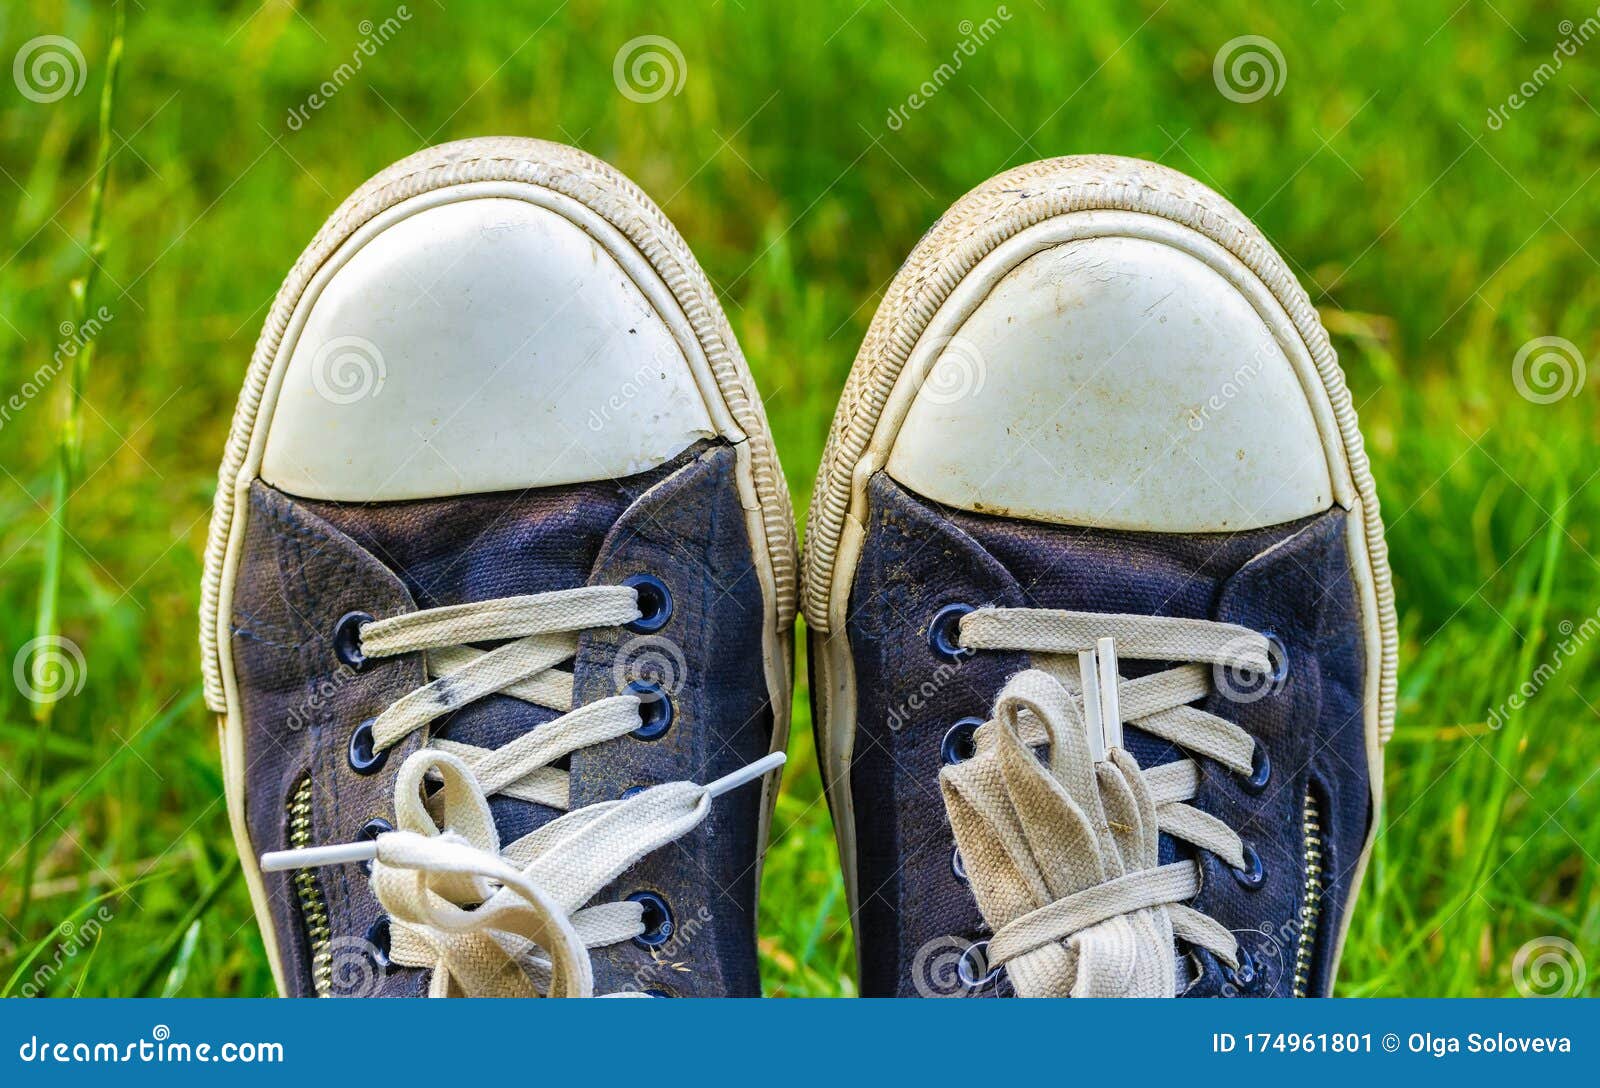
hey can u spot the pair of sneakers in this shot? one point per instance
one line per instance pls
(500, 591)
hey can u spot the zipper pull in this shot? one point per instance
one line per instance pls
(344, 853)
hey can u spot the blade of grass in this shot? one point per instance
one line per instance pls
(69, 457)
(88, 961)
(174, 941)
(180, 966)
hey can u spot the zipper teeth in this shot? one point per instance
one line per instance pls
(313, 909)
(1311, 901)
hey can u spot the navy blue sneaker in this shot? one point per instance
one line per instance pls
(1101, 625)
(498, 601)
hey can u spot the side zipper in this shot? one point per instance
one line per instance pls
(313, 908)
(1311, 894)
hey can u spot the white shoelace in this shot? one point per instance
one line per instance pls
(1062, 855)
(509, 920)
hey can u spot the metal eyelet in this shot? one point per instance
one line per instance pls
(655, 709)
(957, 866)
(1260, 770)
(1278, 655)
(973, 967)
(1254, 874)
(959, 744)
(944, 632)
(363, 758)
(347, 641)
(378, 943)
(657, 919)
(370, 831)
(1247, 975)
(655, 603)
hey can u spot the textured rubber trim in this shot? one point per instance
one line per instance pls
(601, 188)
(978, 223)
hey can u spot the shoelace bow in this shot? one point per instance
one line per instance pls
(510, 920)
(1062, 854)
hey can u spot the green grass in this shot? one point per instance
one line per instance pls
(1435, 246)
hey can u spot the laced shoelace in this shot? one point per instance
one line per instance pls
(509, 920)
(1062, 854)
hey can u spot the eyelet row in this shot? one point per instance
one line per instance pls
(655, 705)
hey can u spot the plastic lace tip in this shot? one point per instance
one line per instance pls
(315, 857)
(1110, 703)
(1089, 680)
(748, 773)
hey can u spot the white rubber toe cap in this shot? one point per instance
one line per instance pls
(1139, 378)
(469, 342)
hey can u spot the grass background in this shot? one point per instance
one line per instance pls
(1435, 244)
